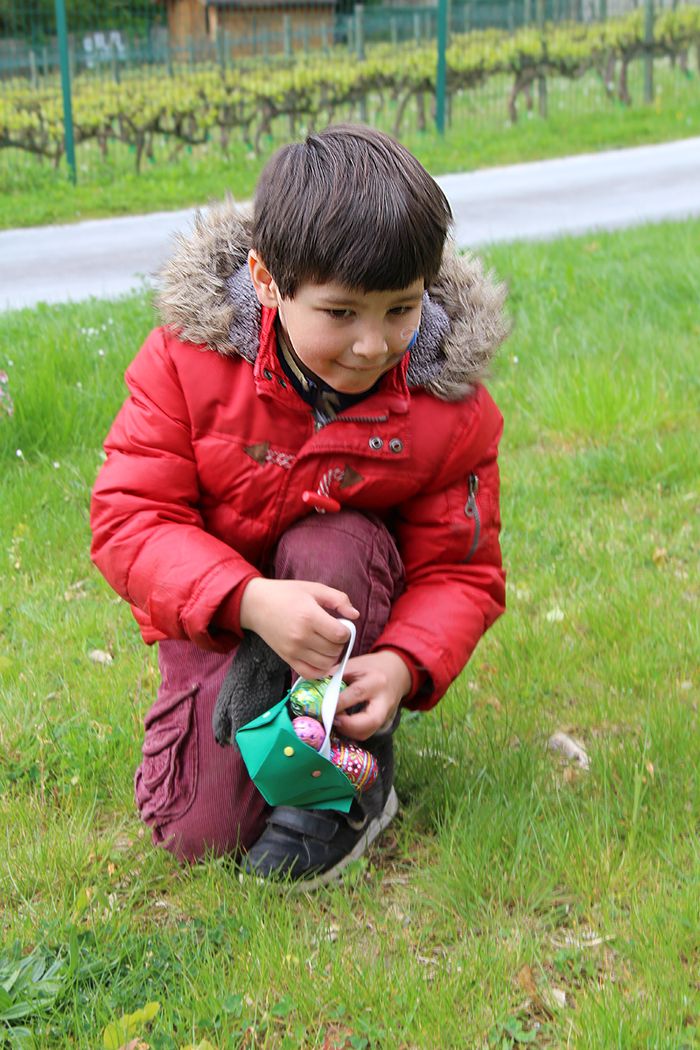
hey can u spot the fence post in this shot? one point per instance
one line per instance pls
(114, 62)
(541, 80)
(649, 56)
(441, 72)
(221, 45)
(360, 52)
(69, 138)
(287, 35)
(360, 32)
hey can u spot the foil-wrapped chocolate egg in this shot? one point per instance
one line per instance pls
(306, 696)
(359, 766)
(309, 730)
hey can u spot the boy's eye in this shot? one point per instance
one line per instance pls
(399, 311)
(339, 315)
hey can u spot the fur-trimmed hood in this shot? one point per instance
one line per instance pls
(207, 297)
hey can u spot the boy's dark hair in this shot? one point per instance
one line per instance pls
(350, 205)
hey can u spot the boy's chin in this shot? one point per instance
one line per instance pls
(355, 381)
(360, 387)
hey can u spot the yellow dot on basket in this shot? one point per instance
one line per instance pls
(289, 751)
(316, 773)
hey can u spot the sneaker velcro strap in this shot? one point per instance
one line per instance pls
(304, 822)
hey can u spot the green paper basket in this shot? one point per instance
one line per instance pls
(285, 770)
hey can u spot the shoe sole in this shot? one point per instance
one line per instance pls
(373, 829)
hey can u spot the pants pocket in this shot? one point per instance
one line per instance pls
(166, 781)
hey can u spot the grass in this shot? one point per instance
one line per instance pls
(581, 119)
(518, 900)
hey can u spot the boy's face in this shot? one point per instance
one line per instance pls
(349, 339)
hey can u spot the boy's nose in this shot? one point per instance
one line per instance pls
(371, 346)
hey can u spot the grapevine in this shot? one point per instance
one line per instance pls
(206, 101)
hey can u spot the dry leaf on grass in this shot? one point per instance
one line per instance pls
(76, 591)
(99, 656)
(526, 980)
(570, 748)
(556, 997)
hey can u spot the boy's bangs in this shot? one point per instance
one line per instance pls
(384, 250)
(353, 206)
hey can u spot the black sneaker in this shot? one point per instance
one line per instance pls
(312, 846)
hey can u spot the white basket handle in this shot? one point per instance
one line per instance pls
(330, 697)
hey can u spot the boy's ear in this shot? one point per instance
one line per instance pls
(263, 281)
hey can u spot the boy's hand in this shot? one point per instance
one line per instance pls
(292, 617)
(377, 681)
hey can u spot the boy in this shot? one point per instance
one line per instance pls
(306, 438)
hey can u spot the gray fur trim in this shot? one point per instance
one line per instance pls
(244, 332)
(193, 297)
(207, 297)
(473, 302)
(427, 359)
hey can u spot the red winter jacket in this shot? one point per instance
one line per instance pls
(210, 456)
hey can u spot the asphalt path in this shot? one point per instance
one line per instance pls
(609, 190)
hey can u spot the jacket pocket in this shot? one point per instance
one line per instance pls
(166, 781)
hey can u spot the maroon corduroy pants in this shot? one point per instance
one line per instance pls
(195, 795)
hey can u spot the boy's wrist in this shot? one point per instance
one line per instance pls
(249, 603)
(401, 671)
(229, 615)
(417, 675)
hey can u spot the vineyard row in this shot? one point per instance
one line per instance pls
(195, 105)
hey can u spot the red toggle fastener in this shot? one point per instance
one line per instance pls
(319, 502)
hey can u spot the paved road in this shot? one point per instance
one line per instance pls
(109, 257)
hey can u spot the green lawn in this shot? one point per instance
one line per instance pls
(518, 900)
(581, 119)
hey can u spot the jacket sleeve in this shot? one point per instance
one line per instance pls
(149, 539)
(448, 538)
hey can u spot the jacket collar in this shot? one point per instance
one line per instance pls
(270, 381)
(207, 297)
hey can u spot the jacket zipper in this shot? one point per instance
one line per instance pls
(471, 509)
(357, 419)
(349, 419)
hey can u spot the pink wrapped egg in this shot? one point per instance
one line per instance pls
(309, 731)
(359, 766)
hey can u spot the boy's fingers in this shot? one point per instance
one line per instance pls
(330, 598)
(308, 670)
(356, 727)
(354, 694)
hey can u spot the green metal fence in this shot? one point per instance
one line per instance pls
(100, 76)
